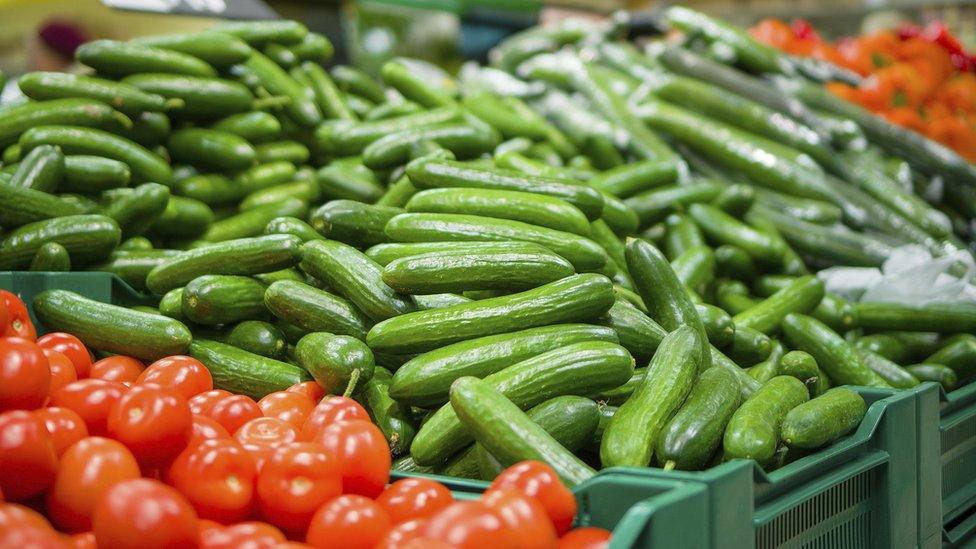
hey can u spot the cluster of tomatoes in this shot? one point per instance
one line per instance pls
(116, 454)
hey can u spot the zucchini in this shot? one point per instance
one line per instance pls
(241, 372)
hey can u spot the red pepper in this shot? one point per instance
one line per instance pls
(938, 33)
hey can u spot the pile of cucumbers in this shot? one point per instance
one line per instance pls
(585, 253)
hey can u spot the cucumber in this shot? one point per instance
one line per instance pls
(281, 55)
(336, 362)
(314, 310)
(396, 149)
(353, 222)
(573, 299)
(115, 58)
(345, 138)
(211, 189)
(749, 52)
(406, 464)
(735, 200)
(171, 305)
(217, 48)
(246, 256)
(805, 209)
(425, 379)
(384, 254)
(136, 244)
(150, 130)
(300, 107)
(885, 345)
(959, 354)
(579, 368)
(258, 337)
(41, 169)
(801, 295)
(241, 372)
(88, 238)
(327, 94)
(392, 417)
(749, 346)
(804, 367)
(132, 266)
(690, 438)
(892, 373)
(292, 226)
(637, 333)
(631, 436)
(136, 209)
(938, 373)
(71, 112)
(111, 328)
(632, 178)
(223, 299)
(656, 204)
(252, 222)
(183, 218)
(306, 191)
(824, 419)
(946, 317)
(51, 257)
(836, 357)
(259, 33)
(354, 276)
(199, 98)
(617, 395)
(255, 126)
(754, 430)
(313, 47)
(352, 181)
(769, 368)
(91, 174)
(288, 151)
(480, 268)
(919, 344)
(695, 267)
(421, 82)
(718, 325)
(681, 234)
(725, 229)
(438, 301)
(352, 80)
(20, 205)
(508, 434)
(583, 253)
(733, 262)
(43, 86)
(213, 149)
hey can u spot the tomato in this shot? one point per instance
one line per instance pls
(243, 535)
(117, 368)
(71, 347)
(88, 468)
(62, 370)
(205, 428)
(203, 402)
(292, 407)
(17, 322)
(12, 514)
(524, 515)
(329, 411)
(268, 431)
(153, 421)
(295, 481)
(585, 538)
(362, 453)
(234, 411)
(28, 535)
(311, 389)
(412, 498)
(348, 521)
(28, 460)
(400, 534)
(92, 399)
(185, 374)
(25, 376)
(217, 476)
(64, 425)
(141, 513)
(538, 480)
(470, 525)
(83, 540)
(4, 317)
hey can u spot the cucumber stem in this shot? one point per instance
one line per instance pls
(123, 120)
(173, 103)
(669, 465)
(353, 379)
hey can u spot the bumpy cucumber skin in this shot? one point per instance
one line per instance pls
(749, 346)
(803, 366)
(949, 317)
(223, 299)
(334, 360)
(892, 373)
(824, 419)
(799, 296)
(87, 238)
(637, 332)
(836, 357)
(51, 257)
(718, 324)
(754, 430)
(353, 222)
(21, 205)
(239, 371)
(392, 417)
(260, 338)
(292, 226)
(314, 310)
(938, 373)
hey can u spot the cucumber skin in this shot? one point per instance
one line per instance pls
(333, 359)
(260, 338)
(938, 373)
(239, 371)
(51, 257)
(948, 317)
(111, 328)
(223, 299)
(892, 373)
(361, 225)
(579, 368)
(87, 238)
(314, 310)
(754, 430)
(637, 332)
(577, 298)
(836, 357)
(425, 380)
(20, 205)
(392, 417)
(822, 420)
(800, 296)
(630, 438)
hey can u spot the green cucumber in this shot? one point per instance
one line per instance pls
(136, 209)
(718, 325)
(183, 218)
(211, 189)
(619, 216)
(805, 209)
(41, 169)
(681, 234)
(223, 299)
(419, 81)
(353, 222)
(392, 417)
(255, 126)
(241, 372)
(769, 368)
(938, 373)
(43, 86)
(314, 310)
(150, 130)
(695, 267)
(636, 332)
(824, 419)
(281, 55)
(632, 178)
(259, 33)
(803, 366)
(944, 317)
(51, 257)
(121, 58)
(343, 137)
(959, 354)
(749, 346)
(836, 357)
(265, 175)
(396, 149)
(892, 373)
(214, 149)
(132, 266)
(801, 295)
(92, 174)
(171, 305)
(754, 430)
(735, 200)
(886, 345)
(136, 244)
(87, 238)
(313, 47)
(734, 262)
(749, 52)
(327, 94)
(200, 98)
(306, 191)
(286, 150)
(292, 226)
(352, 80)
(258, 337)
(725, 229)
(20, 205)
(111, 328)
(337, 362)
(300, 107)
(253, 221)
(656, 204)
(353, 181)
(631, 436)
(217, 48)
(69, 112)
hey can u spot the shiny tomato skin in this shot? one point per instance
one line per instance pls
(12, 514)
(205, 428)
(402, 533)
(71, 347)
(290, 406)
(64, 425)
(243, 535)
(140, 513)
(524, 515)
(349, 521)
(311, 389)
(25, 376)
(470, 525)
(362, 453)
(92, 399)
(588, 537)
(88, 468)
(185, 374)
(83, 540)
(28, 459)
(268, 431)
(329, 411)
(217, 476)
(124, 369)
(540, 481)
(18, 322)
(234, 411)
(202, 403)
(62, 370)
(153, 421)
(294, 482)
(413, 498)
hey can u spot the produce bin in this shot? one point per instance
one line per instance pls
(956, 424)
(642, 512)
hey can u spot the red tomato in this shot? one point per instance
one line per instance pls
(585, 538)
(348, 521)
(412, 498)
(311, 389)
(292, 407)
(141, 513)
(234, 411)
(92, 399)
(28, 535)
(204, 526)
(293, 545)
(402, 533)
(362, 453)
(28, 461)
(524, 515)
(243, 535)
(329, 411)
(88, 468)
(18, 322)
(62, 370)
(71, 347)
(470, 525)
(83, 540)
(4, 317)
(538, 480)
(203, 402)
(64, 425)
(295, 481)
(267, 431)
(117, 368)
(25, 376)
(12, 514)
(217, 476)
(153, 421)
(205, 428)
(185, 374)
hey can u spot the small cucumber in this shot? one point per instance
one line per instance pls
(824, 419)
(754, 430)
(211, 189)
(171, 305)
(136, 209)
(183, 218)
(732, 262)
(656, 204)
(253, 221)
(214, 149)
(306, 191)
(314, 310)
(959, 354)
(258, 337)
(749, 346)
(352, 181)
(938, 373)
(718, 325)
(41, 169)
(632, 178)
(42, 86)
(259, 33)
(384, 254)
(198, 98)
(353, 222)
(51, 257)
(88, 238)
(695, 267)
(804, 367)
(300, 108)
(217, 48)
(92, 174)
(892, 373)
(946, 317)
(836, 357)
(392, 417)
(121, 58)
(21, 205)
(277, 151)
(682, 234)
(397, 149)
(336, 362)
(136, 244)
(223, 299)
(722, 228)
(255, 126)
(636, 331)
(799, 296)
(292, 226)
(769, 368)
(735, 200)
(239, 371)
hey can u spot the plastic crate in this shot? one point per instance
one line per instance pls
(642, 512)
(953, 420)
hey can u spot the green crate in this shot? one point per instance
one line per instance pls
(105, 287)
(953, 420)
(642, 512)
